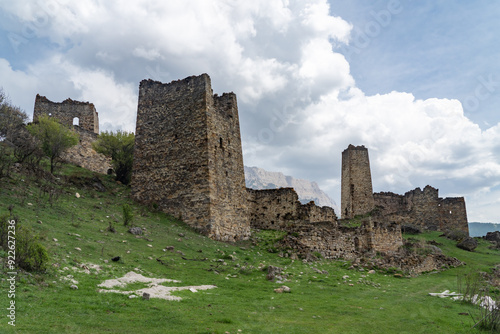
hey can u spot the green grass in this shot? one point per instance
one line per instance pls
(243, 300)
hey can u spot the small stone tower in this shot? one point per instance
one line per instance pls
(188, 158)
(67, 111)
(357, 191)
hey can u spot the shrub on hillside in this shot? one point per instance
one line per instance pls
(120, 147)
(30, 254)
(128, 215)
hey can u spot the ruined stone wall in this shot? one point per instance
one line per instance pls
(334, 242)
(310, 212)
(423, 208)
(321, 237)
(314, 229)
(389, 203)
(272, 209)
(356, 189)
(187, 156)
(453, 214)
(278, 209)
(385, 237)
(85, 156)
(67, 111)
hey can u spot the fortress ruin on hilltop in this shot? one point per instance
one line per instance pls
(83, 118)
(424, 209)
(188, 161)
(68, 113)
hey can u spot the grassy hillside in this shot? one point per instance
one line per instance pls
(326, 296)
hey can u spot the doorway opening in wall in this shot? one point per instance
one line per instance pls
(76, 121)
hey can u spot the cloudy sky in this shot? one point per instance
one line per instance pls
(417, 82)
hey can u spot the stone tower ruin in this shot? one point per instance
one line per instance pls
(67, 111)
(356, 190)
(188, 158)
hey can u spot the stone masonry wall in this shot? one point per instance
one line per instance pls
(356, 189)
(423, 208)
(385, 237)
(278, 209)
(334, 242)
(453, 214)
(67, 111)
(314, 229)
(228, 195)
(187, 156)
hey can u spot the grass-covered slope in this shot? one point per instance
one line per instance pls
(75, 232)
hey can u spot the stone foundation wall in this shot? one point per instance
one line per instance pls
(333, 241)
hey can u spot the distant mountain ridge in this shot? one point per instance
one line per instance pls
(258, 178)
(480, 229)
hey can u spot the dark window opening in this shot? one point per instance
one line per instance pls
(220, 143)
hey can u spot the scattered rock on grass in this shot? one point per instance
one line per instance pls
(135, 230)
(274, 273)
(468, 244)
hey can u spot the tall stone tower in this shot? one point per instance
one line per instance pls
(357, 191)
(67, 111)
(188, 158)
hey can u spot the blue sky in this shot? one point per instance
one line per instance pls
(429, 48)
(417, 82)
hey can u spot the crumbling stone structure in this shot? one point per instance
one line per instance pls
(314, 229)
(67, 111)
(85, 156)
(87, 128)
(188, 158)
(277, 209)
(424, 208)
(356, 188)
(334, 241)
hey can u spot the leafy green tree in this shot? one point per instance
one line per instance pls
(55, 138)
(12, 118)
(120, 147)
(17, 144)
